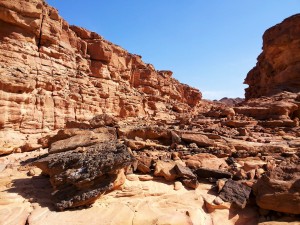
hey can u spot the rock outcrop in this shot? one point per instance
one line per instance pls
(53, 73)
(279, 189)
(278, 66)
(79, 177)
(283, 106)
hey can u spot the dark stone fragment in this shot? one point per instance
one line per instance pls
(230, 160)
(184, 172)
(186, 176)
(236, 193)
(206, 173)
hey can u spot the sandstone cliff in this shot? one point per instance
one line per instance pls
(278, 66)
(52, 73)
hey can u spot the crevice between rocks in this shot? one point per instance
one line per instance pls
(41, 29)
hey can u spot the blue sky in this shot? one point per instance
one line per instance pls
(210, 45)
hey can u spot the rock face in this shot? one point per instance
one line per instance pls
(53, 73)
(278, 66)
(282, 106)
(279, 189)
(79, 178)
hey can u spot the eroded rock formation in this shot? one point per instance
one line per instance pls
(53, 73)
(278, 66)
(279, 189)
(79, 176)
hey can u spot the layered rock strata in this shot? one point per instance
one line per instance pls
(278, 66)
(53, 73)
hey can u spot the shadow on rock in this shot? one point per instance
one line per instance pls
(36, 190)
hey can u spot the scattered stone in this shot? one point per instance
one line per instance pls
(259, 172)
(184, 172)
(206, 173)
(253, 164)
(240, 175)
(160, 120)
(279, 188)
(175, 138)
(175, 156)
(204, 160)
(143, 168)
(199, 139)
(235, 192)
(165, 169)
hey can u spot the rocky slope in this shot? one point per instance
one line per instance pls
(216, 166)
(53, 73)
(278, 66)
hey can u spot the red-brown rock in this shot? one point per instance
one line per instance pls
(53, 73)
(279, 189)
(278, 66)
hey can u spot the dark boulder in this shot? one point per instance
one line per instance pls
(236, 193)
(207, 173)
(80, 177)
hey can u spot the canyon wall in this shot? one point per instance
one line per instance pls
(278, 66)
(53, 73)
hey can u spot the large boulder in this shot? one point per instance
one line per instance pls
(79, 178)
(159, 134)
(236, 193)
(199, 139)
(84, 138)
(204, 160)
(279, 189)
